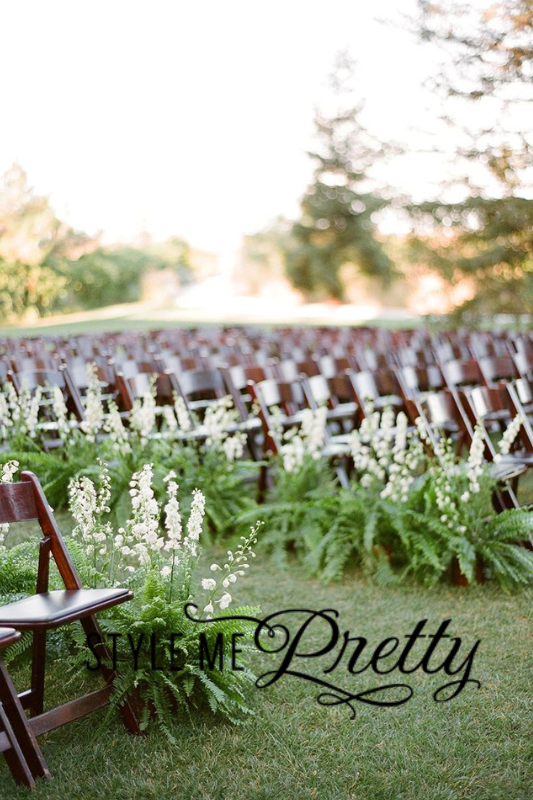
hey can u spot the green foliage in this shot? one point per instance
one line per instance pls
(489, 242)
(192, 686)
(293, 514)
(337, 224)
(18, 569)
(46, 266)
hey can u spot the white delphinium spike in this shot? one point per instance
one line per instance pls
(182, 414)
(276, 424)
(6, 421)
(169, 417)
(233, 446)
(29, 405)
(87, 505)
(8, 472)
(195, 522)
(143, 415)
(235, 567)
(60, 412)
(94, 409)
(143, 527)
(12, 402)
(173, 525)
(475, 459)
(509, 436)
(114, 426)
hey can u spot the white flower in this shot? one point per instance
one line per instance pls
(182, 414)
(209, 584)
(208, 609)
(116, 430)
(166, 571)
(195, 523)
(143, 414)
(224, 601)
(94, 409)
(510, 435)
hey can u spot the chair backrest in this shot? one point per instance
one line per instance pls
(462, 373)
(500, 368)
(441, 412)
(24, 501)
(524, 363)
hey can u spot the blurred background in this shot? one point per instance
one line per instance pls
(249, 162)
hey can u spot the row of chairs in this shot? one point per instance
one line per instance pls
(295, 385)
(206, 347)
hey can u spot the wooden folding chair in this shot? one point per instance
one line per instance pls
(46, 610)
(16, 736)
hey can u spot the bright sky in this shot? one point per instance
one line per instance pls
(193, 118)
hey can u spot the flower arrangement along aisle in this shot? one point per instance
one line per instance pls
(409, 510)
(451, 511)
(166, 436)
(301, 479)
(156, 554)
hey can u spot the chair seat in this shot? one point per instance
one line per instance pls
(506, 470)
(380, 403)
(51, 609)
(336, 448)
(8, 636)
(343, 411)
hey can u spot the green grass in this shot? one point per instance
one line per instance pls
(478, 746)
(135, 316)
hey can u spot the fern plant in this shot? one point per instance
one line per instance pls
(156, 554)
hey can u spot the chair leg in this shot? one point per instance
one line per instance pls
(18, 722)
(38, 672)
(18, 766)
(262, 483)
(127, 711)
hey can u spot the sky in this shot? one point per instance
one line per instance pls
(194, 118)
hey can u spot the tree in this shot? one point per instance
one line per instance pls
(32, 242)
(488, 241)
(488, 67)
(337, 226)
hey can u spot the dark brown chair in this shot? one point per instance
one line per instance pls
(46, 610)
(376, 390)
(444, 413)
(501, 368)
(16, 737)
(291, 401)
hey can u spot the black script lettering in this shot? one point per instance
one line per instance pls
(412, 638)
(362, 642)
(466, 665)
(291, 646)
(153, 654)
(135, 650)
(235, 651)
(378, 655)
(218, 650)
(114, 636)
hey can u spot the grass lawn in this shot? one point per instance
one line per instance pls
(140, 316)
(478, 746)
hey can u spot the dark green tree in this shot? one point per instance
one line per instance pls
(337, 226)
(487, 67)
(489, 241)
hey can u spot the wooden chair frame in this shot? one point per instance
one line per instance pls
(25, 501)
